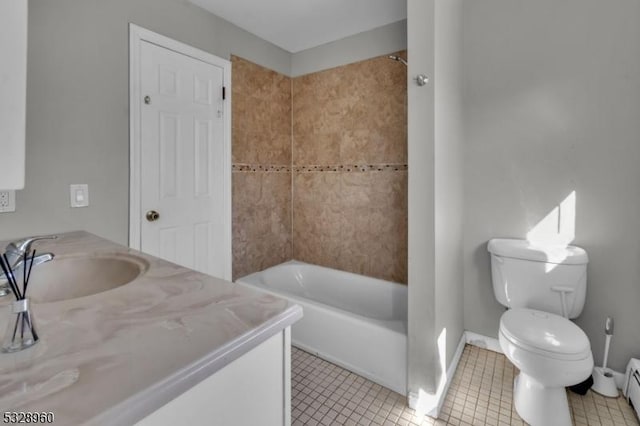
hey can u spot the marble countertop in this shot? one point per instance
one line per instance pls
(117, 356)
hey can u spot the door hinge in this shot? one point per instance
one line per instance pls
(224, 93)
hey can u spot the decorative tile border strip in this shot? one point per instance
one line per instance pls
(353, 168)
(240, 167)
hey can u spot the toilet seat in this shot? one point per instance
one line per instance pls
(545, 334)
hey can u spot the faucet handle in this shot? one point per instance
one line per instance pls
(24, 245)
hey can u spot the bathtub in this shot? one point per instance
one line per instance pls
(357, 322)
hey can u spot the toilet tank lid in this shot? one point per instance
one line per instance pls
(523, 249)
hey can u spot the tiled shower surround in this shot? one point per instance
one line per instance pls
(345, 200)
(261, 155)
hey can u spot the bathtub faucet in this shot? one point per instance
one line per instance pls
(16, 253)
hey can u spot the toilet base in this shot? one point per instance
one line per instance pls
(539, 405)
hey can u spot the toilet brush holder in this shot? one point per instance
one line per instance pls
(604, 383)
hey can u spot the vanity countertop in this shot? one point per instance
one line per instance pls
(117, 356)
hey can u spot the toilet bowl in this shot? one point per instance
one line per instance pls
(551, 353)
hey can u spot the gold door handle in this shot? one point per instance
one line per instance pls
(153, 215)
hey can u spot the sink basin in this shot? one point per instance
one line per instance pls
(66, 278)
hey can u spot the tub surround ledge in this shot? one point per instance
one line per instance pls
(118, 356)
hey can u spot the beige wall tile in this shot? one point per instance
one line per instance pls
(261, 220)
(356, 239)
(355, 114)
(245, 144)
(274, 150)
(261, 135)
(389, 189)
(364, 103)
(261, 114)
(316, 188)
(356, 189)
(388, 258)
(354, 221)
(316, 148)
(316, 233)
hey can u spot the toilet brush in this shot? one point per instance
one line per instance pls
(603, 381)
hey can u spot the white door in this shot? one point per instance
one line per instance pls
(182, 182)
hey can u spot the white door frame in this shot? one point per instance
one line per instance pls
(136, 36)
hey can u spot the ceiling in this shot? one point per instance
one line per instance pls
(296, 25)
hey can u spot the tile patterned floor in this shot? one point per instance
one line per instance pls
(480, 394)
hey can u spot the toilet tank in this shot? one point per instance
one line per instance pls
(538, 277)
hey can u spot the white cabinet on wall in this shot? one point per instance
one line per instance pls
(13, 92)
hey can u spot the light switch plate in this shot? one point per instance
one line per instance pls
(79, 195)
(7, 201)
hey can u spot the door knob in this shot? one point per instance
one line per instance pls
(153, 215)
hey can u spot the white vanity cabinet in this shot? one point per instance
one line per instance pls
(13, 92)
(171, 347)
(254, 389)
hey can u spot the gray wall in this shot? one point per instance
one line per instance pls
(423, 363)
(552, 98)
(436, 195)
(449, 186)
(78, 104)
(369, 44)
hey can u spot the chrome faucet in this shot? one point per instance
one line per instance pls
(17, 252)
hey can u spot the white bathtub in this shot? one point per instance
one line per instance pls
(354, 321)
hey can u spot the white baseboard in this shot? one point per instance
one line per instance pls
(492, 344)
(484, 342)
(451, 371)
(432, 404)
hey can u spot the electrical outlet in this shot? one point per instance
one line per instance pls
(7, 201)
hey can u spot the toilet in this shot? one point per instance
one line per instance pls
(543, 287)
